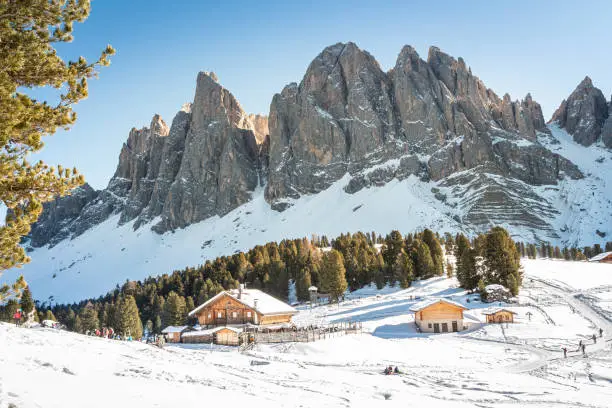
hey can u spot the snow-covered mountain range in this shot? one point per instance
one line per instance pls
(350, 148)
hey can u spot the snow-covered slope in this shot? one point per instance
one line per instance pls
(108, 254)
(517, 365)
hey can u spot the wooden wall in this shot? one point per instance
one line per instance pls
(226, 310)
(500, 317)
(440, 311)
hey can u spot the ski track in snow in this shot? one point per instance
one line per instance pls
(486, 366)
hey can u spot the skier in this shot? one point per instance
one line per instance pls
(396, 371)
(579, 345)
(600, 332)
(583, 350)
(565, 352)
(594, 339)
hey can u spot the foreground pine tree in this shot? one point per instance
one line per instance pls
(29, 33)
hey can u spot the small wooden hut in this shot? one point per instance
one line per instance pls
(499, 315)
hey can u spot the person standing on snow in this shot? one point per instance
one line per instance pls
(600, 332)
(564, 352)
(594, 339)
(17, 317)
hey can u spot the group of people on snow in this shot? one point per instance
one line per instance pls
(390, 370)
(582, 345)
(107, 333)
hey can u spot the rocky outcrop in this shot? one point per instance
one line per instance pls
(220, 165)
(53, 224)
(347, 115)
(430, 119)
(584, 115)
(207, 163)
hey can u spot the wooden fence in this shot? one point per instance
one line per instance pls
(303, 335)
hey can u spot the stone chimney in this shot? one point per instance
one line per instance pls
(240, 289)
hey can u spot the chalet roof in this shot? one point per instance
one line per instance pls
(600, 256)
(417, 307)
(494, 310)
(174, 329)
(266, 304)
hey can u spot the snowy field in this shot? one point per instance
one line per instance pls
(518, 364)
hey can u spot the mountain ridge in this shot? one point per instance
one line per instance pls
(430, 119)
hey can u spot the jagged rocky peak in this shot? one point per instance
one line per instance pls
(341, 112)
(433, 117)
(585, 115)
(220, 165)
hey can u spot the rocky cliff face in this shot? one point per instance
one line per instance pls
(586, 115)
(428, 118)
(207, 163)
(431, 119)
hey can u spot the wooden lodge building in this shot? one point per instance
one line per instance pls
(605, 257)
(242, 307)
(438, 316)
(499, 315)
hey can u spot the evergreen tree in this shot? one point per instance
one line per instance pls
(424, 267)
(87, 320)
(435, 251)
(403, 270)
(30, 31)
(333, 274)
(502, 260)
(26, 302)
(302, 283)
(467, 273)
(174, 313)
(609, 246)
(394, 243)
(449, 270)
(157, 325)
(128, 319)
(49, 315)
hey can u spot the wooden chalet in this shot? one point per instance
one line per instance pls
(499, 315)
(239, 307)
(438, 315)
(173, 333)
(605, 257)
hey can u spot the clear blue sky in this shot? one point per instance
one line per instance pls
(542, 47)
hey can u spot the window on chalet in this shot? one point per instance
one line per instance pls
(234, 315)
(248, 314)
(219, 314)
(210, 315)
(429, 325)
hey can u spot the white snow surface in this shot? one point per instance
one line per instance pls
(490, 365)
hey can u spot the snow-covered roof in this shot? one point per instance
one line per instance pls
(205, 332)
(313, 288)
(495, 286)
(494, 310)
(430, 302)
(266, 304)
(174, 329)
(600, 256)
